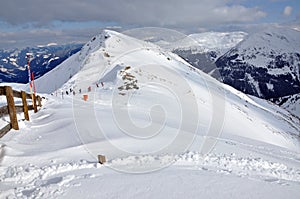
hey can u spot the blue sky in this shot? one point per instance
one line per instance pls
(30, 22)
(275, 9)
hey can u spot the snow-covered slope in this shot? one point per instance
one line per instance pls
(148, 109)
(266, 64)
(290, 103)
(120, 61)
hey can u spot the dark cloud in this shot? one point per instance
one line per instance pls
(142, 12)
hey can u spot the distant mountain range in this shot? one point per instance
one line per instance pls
(203, 49)
(207, 42)
(13, 62)
(265, 64)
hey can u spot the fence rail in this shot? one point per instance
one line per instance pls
(12, 109)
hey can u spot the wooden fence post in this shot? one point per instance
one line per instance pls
(11, 107)
(25, 107)
(101, 159)
(39, 101)
(34, 103)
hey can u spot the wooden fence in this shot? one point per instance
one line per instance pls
(11, 109)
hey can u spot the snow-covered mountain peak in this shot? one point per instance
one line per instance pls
(103, 50)
(209, 42)
(198, 42)
(218, 41)
(95, 43)
(273, 40)
(130, 67)
(109, 39)
(203, 49)
(265, 64)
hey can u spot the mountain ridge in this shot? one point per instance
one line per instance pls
(131, 68)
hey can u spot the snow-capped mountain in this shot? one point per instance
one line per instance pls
(126, 65)
(203, 49)
(213, 44)
(45, 58)
(218, 42)
(266, 64)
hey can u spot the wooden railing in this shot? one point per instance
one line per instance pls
(11, 109)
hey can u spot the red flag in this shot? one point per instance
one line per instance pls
(32, 79)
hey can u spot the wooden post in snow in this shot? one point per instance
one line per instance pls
(34, 102)
(101, 159)
(39, 101)
(25, 107)
(11, 107)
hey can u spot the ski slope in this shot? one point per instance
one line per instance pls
(155, 116)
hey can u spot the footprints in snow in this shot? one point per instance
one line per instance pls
(226, 164)
(45, 181)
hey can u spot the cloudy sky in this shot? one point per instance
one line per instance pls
(31, 22)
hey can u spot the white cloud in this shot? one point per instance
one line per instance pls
(238, 13)
(287, 10)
